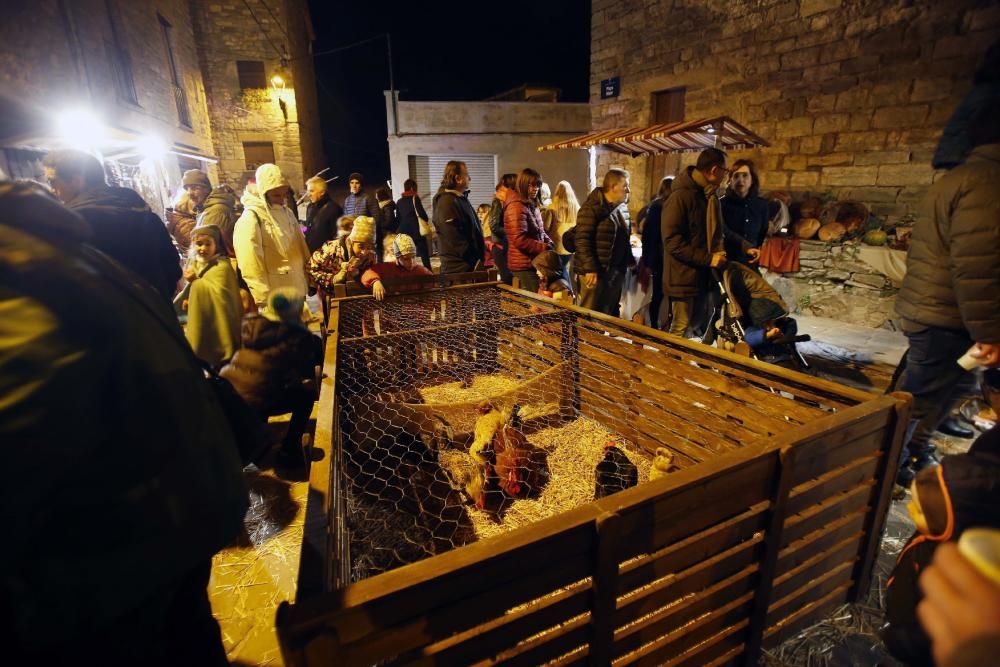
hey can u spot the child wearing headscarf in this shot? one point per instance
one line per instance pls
(211, 298)
(405, 251)
(551, 279)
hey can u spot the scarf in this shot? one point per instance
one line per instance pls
(713, 212)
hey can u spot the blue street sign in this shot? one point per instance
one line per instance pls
(610, 87)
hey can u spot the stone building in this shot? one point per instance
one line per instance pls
(851, 94)
(492, 137)
(144, 85)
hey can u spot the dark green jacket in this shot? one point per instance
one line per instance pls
(953, 269)
(124, 475)
(220, 210)
(599, 225)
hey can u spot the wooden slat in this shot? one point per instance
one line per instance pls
(821, 539)
(857, 435)
(446, 333)
(694, 549)
(806, 616)
(840, 479)
(822, 514)
(811, 590)
(725, 643)
(715, 623)
(504, 633)
(683, 503)
(696, 578)
(822, 564)
(550, 646)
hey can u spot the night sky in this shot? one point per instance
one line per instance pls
(466, 51)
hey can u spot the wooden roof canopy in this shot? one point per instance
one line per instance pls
(696, 135)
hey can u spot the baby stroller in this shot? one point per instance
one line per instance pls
(749, 309)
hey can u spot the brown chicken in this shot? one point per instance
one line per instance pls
(511, 462)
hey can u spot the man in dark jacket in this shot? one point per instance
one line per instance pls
(123, 225)
(128, 477)
(950, 299)
(358, 202)
(386, 220)
(652, 248)
(321, 214)
(603, 250)
(460, 236)
(693, 231)
(745, 214)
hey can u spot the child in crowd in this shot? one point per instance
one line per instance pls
(180, 220)
(275, 370)
(326, 263)
(361, 247)
(551, 279)
(211, 298)
(483, 213)
(405, 252)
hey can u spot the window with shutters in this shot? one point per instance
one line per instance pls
(180, 97)
(257, 153)
(668, 107)
(121, 65)
(427, 171)
(251, 73)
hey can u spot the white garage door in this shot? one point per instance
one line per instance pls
(427, 171)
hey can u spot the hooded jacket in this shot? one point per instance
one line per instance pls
(953, 269)
(599, 226)
(460, 236)
(270, 249)
(219, 209)
(687, 250)
(214, 308)
(126, 229)
(746, 219)
(128, 476)
(525, 231)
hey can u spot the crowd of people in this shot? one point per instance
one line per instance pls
(111, 318)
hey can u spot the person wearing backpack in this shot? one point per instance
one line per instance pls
(270, 248)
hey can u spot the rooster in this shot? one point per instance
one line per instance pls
(615, 472)
(509, 461)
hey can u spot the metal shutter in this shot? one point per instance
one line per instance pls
(427, 170)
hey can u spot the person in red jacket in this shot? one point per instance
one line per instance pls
(405, 251)
(522, 221)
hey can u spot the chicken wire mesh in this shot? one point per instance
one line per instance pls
(459, 419)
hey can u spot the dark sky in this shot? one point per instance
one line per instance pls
(466, 51)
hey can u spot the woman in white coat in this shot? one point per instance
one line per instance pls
(271, 251)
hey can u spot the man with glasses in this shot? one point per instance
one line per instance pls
(693, 232)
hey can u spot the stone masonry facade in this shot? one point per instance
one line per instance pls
(851, 94)
(228, 32)
(60, 54)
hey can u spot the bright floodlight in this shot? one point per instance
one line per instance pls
(278, 82)
(80, 127)
(151, 146)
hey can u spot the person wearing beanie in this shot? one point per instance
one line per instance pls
(211, 299)
(386, 221)
(270, 249)
(275, 369)
(551, 279)
(405, 251)
(358, 202)
(361, 251)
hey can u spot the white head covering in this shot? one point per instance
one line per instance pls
(364, 229)
(403, 245)
(269, 177)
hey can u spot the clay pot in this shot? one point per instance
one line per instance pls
(806, 228)
(832, 231)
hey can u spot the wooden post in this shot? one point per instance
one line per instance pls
(570, 351)
(604, 592)
(782, 484)
(885, 480)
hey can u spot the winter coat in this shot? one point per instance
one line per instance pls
(214, 313)
(321, 222)
(687, 252)
(408, 208)
(460, 236)
(270, 249)
(126, 229)
(555, 228)
(128, 476)
(220, 210)
(360, 204)
(497, 233)
(599, 227)
(652, 240)
(275, 359)
(386, 222)
(746, 219)
(953, 269)
(392, 271)
(522, 222)
(325, 263)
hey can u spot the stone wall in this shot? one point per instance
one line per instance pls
(62, 59)
(834, 282)
(227, 32)
(851, 94)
